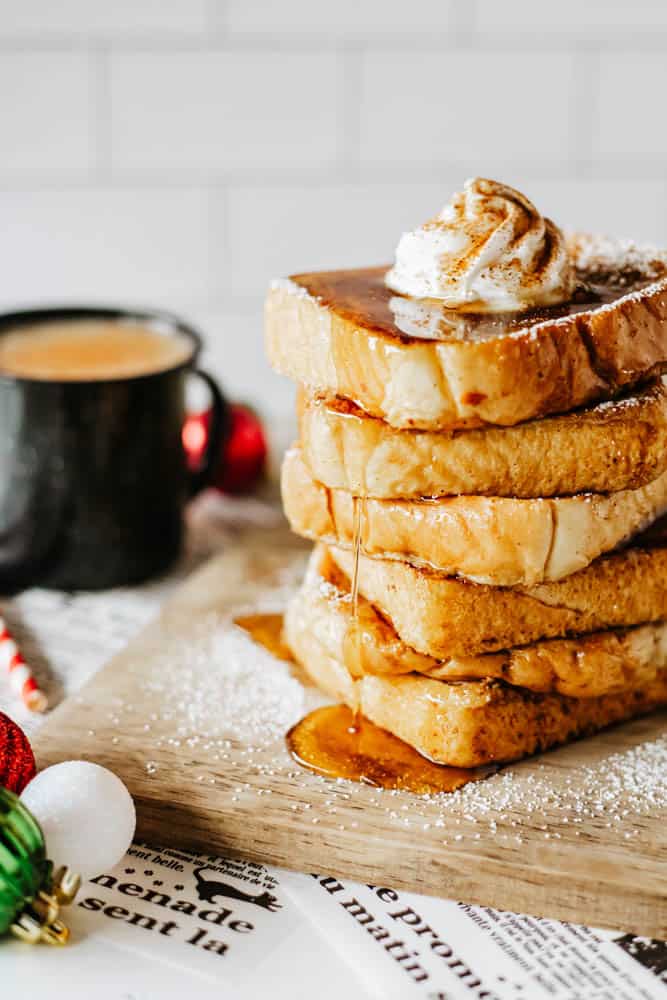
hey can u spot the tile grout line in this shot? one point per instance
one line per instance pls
(217, 19)
(462, 33)
(371, 173)
(464, 22)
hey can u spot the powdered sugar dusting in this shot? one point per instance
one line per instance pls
(211, 708)
(290, 287)
(619, 794)
(622, 262)
(222, 686)
(632, 783)
(633, 402)
(221, 683)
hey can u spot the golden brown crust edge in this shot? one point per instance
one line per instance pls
(467, 724)
(496, 541)
(551, 368)
(588, 666)
(606, 448)
(514, 724)
(443, 617)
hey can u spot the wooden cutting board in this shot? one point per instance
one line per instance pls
(563, 835)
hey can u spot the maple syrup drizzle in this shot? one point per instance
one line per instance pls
(361, 297)
(267, 631)
(353, 638)
(336, 742)
(356, 548)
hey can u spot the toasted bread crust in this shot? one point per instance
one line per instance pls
(609, 447)
(551, 367)
(512, 724)
(586, 667)
(444, 617)
(491, 540)
(465, 724)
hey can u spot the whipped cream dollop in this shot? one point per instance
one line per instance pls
(489, 250)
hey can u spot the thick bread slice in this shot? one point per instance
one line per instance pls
(586, 667)
(443, 617)
(336, 333)
(609, 447)
(464, 724)
(492, 540)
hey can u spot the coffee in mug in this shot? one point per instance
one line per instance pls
(93, 473)
(90, 350)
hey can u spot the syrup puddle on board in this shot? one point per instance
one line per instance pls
(267, 631)
(336, 742)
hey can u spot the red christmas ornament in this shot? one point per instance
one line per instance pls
(17, 763)
(244, 452)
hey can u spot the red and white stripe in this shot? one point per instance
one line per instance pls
(21, 679)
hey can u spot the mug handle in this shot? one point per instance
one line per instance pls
(217, 431)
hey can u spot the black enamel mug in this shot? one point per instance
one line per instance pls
(93, 473)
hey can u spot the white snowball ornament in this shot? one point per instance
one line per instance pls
(86, 814)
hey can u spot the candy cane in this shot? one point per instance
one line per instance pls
(21, 679)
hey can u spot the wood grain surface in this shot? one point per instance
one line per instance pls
(535, 843)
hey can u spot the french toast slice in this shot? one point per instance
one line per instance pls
(445, 617)
(588, 666)
(609, 447)
(415, 364)
(464, 723)
(499, 541)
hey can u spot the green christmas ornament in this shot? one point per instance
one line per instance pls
(31, 892)
(86, 813)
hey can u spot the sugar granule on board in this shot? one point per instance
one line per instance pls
(222, 683)
(621, 786)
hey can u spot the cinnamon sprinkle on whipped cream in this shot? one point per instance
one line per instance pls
(489, 250)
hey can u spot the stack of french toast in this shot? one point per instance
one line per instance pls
(482, 463)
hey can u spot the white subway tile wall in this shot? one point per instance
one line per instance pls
(218, 110)
(368, 19)
(320, 226)
(46, 112)
(96, 19)
(442, 107)
(181, 153)
(574, 19)
(630, 97)
(148, 245)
